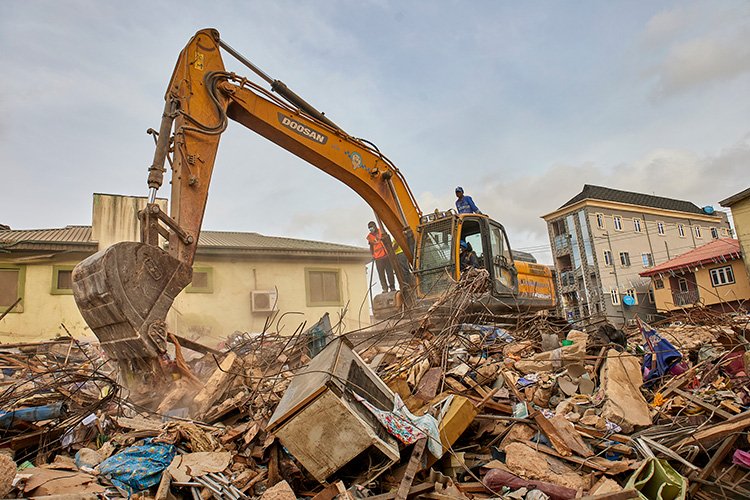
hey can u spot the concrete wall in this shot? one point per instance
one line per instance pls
(709, 295)
(206, 317)
(115, 218)
(741, 216)
(211, 317)
(43, 311)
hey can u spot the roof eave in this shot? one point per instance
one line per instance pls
(735, 198)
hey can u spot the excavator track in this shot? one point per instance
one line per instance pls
(124, 294)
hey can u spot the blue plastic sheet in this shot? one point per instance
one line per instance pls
(138, 468)
(660, 356)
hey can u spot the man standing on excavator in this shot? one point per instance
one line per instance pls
(377, 248)
(464, 204)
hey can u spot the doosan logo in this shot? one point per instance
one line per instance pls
(302, 129)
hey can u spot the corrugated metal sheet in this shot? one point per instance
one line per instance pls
(73, 235)
(716, 251)
(67, 234)
(222, 239)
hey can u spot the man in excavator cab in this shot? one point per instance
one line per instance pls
(468, 257)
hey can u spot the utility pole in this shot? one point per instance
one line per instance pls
(617, 281)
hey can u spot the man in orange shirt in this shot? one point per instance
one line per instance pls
(377, 248)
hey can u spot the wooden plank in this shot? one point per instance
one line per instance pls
(331, 491)
(472, 487)
(495, 406)
(163, 492)
(716, 459)
(570, 436)
(590, 431)
(274, 473)
(551, 432)
(415, 463)
(216, 385)
(618, 495)
(679, 381)
(413, 491)
(544, 425)
(717, 432)
(193, 345)
(703, 404)
(456, 385)
(576, 460)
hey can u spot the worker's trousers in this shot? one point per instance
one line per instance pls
(385, 271)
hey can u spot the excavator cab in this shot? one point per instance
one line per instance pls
(438, 253)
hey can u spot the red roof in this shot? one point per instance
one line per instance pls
(718, 251)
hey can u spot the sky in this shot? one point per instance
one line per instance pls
(521, 103)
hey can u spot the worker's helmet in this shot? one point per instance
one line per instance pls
(459, 189)
(464, 245)
(372, 224)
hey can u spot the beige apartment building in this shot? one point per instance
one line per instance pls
(603, 238)
(739, 204)
(711, 275)
(240, 279)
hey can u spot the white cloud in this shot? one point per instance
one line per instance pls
(704, 60)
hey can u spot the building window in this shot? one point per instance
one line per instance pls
(724, 231)
(681, 230)
(637, 225)
(648, 259)
(714, 233)
(615, 296)
(203, 281)
(618, 222)
(323, 287)
(62, 280)
(660, 228)
(651, 298)
(658, 283)
(631, 292)
(12, 284)
(697, 230)
(607, 258)
(722, 276)
(600, 221)
(682, 284)
(625, 259)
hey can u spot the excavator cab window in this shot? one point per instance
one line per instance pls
(503, 272)
(435, 264)
(471, 233)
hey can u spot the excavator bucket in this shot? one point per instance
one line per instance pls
(124, 294)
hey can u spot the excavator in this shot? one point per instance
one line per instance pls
(125, 291)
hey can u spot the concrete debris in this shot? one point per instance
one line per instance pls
(621, 382)
(519, 407)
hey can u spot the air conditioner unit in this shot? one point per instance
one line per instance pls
(264, 300)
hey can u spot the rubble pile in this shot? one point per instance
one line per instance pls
(447, 403)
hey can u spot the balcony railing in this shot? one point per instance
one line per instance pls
(562, 241)
(685, 298)
(567, 278)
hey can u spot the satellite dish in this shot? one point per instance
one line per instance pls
(628, 300)
(708, 209)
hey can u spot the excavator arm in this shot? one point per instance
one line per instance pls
(204, 97)
(125, 291)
